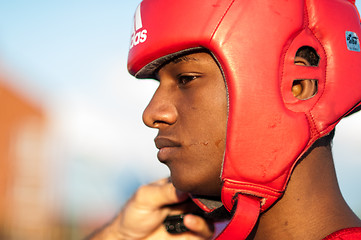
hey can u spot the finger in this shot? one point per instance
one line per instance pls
(166, 184)
(158, 194)
(198, 225)
(161, 181)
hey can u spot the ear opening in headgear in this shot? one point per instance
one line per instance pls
(304, 89)
(309, 54)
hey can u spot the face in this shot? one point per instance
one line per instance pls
(189, 109)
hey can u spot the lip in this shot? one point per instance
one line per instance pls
(166, 148)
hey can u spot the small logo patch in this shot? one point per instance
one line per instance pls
(352, 41)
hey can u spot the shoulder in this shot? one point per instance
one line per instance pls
(345, 234)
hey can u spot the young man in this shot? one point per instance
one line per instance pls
(249, 94)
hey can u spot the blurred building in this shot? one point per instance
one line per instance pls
(24, 213)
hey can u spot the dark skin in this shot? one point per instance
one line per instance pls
(191, 142)
(189, 109)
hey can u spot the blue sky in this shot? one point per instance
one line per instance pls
(64, 39)
(70, 58)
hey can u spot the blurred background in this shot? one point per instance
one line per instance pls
(73, 147)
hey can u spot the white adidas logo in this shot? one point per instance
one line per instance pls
(138, 35)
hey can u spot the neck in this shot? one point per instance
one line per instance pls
(312, 206)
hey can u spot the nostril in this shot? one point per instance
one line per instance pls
(160, 124)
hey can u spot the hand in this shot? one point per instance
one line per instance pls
(142, 217)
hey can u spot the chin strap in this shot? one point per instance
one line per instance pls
(244, 218)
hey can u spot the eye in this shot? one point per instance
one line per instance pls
(186, 78)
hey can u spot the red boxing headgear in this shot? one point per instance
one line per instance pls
(260, 151)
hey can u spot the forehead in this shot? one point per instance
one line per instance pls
(200, 62)
(149, 70)
(186, 58)
(199, 58)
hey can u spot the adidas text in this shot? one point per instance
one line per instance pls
(138, 37)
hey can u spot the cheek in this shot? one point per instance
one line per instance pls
(198, 169)
(203, 119)
(202, 124)
(207, 106)
(202, 157)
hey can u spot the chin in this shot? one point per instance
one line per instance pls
(195, 187)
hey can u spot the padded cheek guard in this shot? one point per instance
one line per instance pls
(255, 43)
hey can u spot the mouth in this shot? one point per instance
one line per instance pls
(167, 148)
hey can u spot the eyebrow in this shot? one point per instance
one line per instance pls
(175, 60)
(184, 59)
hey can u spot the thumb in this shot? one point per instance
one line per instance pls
(199, 226)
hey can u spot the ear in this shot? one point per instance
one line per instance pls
(304, 89)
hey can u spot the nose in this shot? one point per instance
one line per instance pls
(161, 110)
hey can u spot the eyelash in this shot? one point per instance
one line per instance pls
(185, 79)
